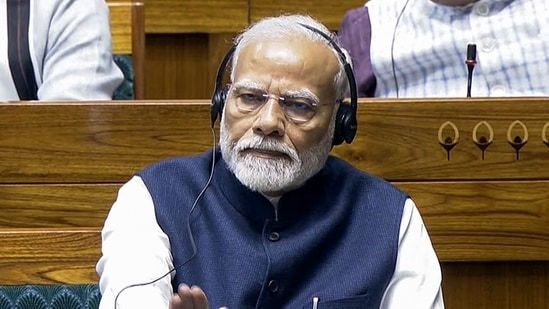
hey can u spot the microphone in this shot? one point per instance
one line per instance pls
(470, 62)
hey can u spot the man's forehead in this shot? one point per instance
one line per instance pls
(310, 57)
(297, 48)
(288, 65)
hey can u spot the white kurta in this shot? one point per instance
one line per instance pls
(70, 48)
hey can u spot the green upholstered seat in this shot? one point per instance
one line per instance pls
(126, 90)
(61, 296)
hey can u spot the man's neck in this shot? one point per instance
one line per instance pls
(454, 2)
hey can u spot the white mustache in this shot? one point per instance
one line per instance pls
(261, 143)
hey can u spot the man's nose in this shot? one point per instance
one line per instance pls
(270, 119)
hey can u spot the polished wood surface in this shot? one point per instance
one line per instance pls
(184, 66)
(61, 165)
(45, 256)
(121, 26)
(138, 49)
(496, 285)
(103, 142)
(485, 221)
(330, 13)
(215, 16)
(401, 143)
(196, 16)
(55, 205)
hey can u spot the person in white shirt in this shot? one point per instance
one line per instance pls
(418, 48)
(56, 50)
(269, 219)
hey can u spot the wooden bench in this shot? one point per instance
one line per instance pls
(61, 165)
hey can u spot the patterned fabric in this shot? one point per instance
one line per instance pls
(84, 296)
(125, 90)
(418, 48)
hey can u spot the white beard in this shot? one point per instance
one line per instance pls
(273, 175)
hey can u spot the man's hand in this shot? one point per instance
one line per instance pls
(189, 298)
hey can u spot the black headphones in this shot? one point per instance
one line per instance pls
(346, 121)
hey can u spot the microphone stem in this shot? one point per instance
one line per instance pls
(469, 79)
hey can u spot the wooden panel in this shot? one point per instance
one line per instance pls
(467, 221)
(101, 143)
(485, 221)
(184, 66)
(496, 285)
(330, 13)
(195, 16)
(218, 46)
(55, 206)
(138, 50)
(176, 67)
(121, 27)
(44, 257)
(398, 140)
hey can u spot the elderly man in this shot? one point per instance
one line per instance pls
(270, 219)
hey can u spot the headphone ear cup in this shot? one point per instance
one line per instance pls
(220, 93)
(345, 126)
(218, 102)
(339, 124)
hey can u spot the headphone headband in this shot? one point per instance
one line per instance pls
(346, 65)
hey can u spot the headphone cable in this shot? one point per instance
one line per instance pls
(193, 244)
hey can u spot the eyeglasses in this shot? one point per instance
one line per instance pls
(298, 109)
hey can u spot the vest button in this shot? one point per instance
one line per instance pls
(273, 286)
(482, 9)
(498, 91)
(274, 236)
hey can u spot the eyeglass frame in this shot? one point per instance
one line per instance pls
(304, 97)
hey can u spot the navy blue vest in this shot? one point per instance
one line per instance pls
(336, 238)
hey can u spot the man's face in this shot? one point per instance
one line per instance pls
(274, 145)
